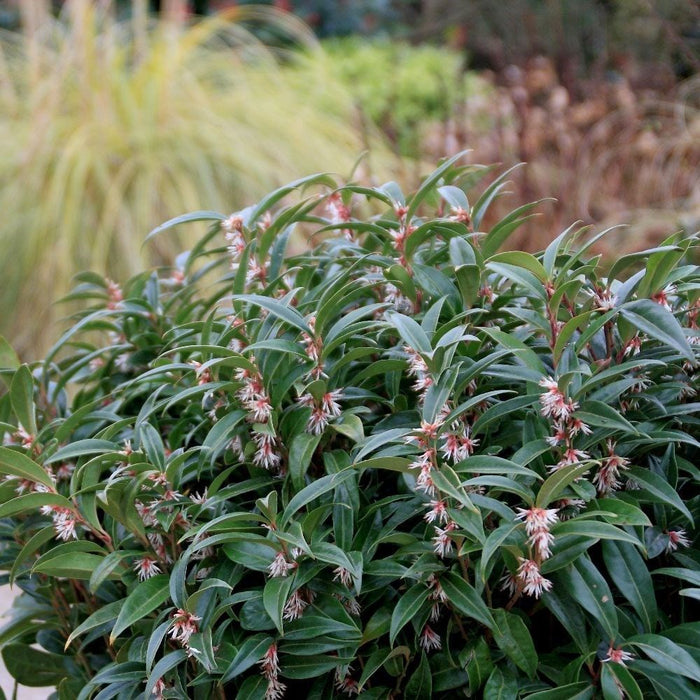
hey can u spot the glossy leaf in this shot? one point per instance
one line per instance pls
(148, 596)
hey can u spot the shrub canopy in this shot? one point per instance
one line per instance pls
(403, 464)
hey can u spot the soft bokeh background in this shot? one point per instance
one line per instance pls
(115, 116)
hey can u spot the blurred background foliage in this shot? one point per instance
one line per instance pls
(116, 115)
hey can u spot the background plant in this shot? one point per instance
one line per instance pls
(110, 127)
(403, 89)
(404, 463)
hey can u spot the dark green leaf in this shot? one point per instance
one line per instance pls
(581, 527)
(249, 653)
(407, 608)
(552, 488)
(586, 585)
(512, 636)
(571, 691)
(658, 489)
(22, 398)
(464, 598)
(500, 686)
(630, 574)
(143, 600)
(658, 323)
(185, 218)
(668, 655)
(17, 464)
(275, 596)
(32, 667)
(420, 684)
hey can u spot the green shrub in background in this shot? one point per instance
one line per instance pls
(403, 464)
(108, 128)
(402, 88)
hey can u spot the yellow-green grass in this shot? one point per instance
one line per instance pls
(109, 128)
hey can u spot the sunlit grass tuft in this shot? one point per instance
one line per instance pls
(108, 128)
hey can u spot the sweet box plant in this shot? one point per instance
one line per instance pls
(401, 464)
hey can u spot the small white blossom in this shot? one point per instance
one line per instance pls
(295, 606)
(184, 626)
(280, 566)
(343, 575)
(146, 567)
(429, 639)
(442, 543)
(675, 538)
(437, 512)
(530, 578)
(618, 656)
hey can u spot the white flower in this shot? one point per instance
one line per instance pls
(618, 656)
(537, 523)
(537, 518)
(442, 543)
(265, 456)
(429, 639)
(321, 411)
(64, 522)
(280, 566)
(553, 401)
(260, 408)
(270, 667)
(146, 567)
(531, 579)
(458, 447)
(343, 575)
(184, 626)
(437, 512)
(295, 606)
(675, 538)
(199, 498)
(571, 456)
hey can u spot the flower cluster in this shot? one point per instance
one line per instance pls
(184, 625)
(458, 444)
(297, 603)
(313, 345)
(280, 566)
(418, 368)
(537, 523)
(617, 656)
(530, 580)
(145, 567)
(65, 521)
(675, 538)
(607, 479)
(339, 213)
(566, 426)
(429, 639)
(270, 667)
(323, 410)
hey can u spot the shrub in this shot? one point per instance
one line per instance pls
(402, 464)
(402, 88)
(110, 127)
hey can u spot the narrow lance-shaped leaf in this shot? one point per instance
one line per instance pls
(22, 398)
(668, 654)
(17, 464)
(278, 309)
(630, 574)
(658, 323)
(558, 481)
(407, 608)
(143, 600)
(186, 218)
